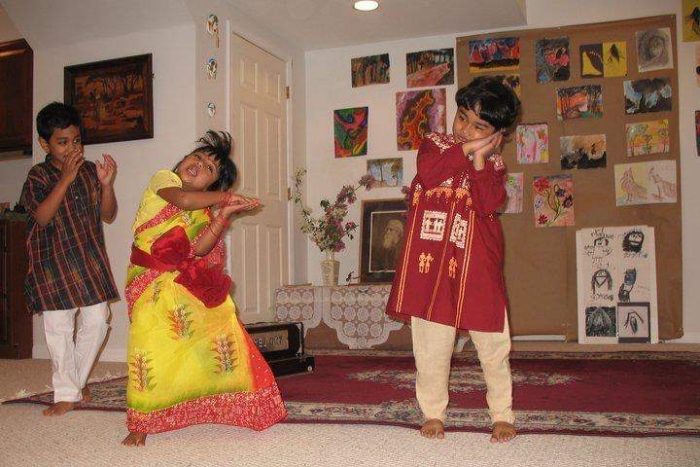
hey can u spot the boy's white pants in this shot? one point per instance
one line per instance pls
(433, 344)
(72, 361)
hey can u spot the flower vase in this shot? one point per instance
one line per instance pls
(329, 269)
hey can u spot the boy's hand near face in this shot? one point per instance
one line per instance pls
(106, 170)
(482, 148)
(71, 165)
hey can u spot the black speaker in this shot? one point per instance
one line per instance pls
(282, 346)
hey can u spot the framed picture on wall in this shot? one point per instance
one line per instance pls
(383, 229)
(114, 98)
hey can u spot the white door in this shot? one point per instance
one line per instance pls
(258, 125)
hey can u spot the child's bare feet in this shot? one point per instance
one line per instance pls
(432, 429)
(59, 408)
(135, 439)
(87, 396)
(502, 432)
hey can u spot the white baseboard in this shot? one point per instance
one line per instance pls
(107, 355)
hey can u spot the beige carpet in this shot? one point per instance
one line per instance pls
(92, 439)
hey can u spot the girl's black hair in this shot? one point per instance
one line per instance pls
(218, 144)
(56, 116)
(491, 100)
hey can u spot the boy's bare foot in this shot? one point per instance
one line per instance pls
(135, 439)
(502, 432)
(59, 408)
(432, 429)
(87, 396)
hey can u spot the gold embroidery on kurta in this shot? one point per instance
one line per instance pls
(424, 261)
(452, 268)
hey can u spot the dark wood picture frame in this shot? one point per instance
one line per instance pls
(16, 96)
(377, 258)
(114, 98)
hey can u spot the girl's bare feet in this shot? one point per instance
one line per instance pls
(502, 432)
(432, 429)
(59, 408)
(135, 439)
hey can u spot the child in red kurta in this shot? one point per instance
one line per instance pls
(450, 273)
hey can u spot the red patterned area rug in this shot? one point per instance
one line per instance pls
(613, 394)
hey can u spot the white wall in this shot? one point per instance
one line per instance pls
(173, 52)
(329, 88)
(13, 164)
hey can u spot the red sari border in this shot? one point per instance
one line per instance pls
(257, 410)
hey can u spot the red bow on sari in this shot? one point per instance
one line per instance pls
(171, 252)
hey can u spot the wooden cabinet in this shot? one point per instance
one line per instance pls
(16, 83)
(15, 320)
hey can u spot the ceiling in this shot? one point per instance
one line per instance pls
(306, 24)
(322, 24)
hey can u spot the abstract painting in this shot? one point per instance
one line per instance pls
(691, 20)
(373, 69)
(532, 143)
(501, 54)
(552, 60)
(614, 59)
(647, 95)
(513, 82)
(430, 68)
(417, 114)
(654, 49)
(580, 102)
(386, 172)
(583, 152)
(350, 131)
(592, 63)
(514, 190)
(553, 200)
(645, 183)
(644, 138)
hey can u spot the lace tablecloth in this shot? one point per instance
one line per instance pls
(356, 313)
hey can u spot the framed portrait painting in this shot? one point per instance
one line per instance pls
(383, 230)
(114, 98)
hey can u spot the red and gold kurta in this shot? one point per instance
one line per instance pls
(451, 266)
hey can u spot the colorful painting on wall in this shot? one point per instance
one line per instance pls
(386, 172)
(513, 82)
(552, 59)
(553, 198)
(647, 95)
(592, 63)
(644, 138)
(580, 102)
(645, 183)
(417, 114)
(654, 49)
(614, 59)
(532, 143)
(514, 190)
(350, 131)
(114, 98)
(691, 20)
(502, 54)
(430, 68)
(583, 152)
(374, 69)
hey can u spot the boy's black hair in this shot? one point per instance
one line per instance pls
(218, 144)
(56, 116)
(493, 101)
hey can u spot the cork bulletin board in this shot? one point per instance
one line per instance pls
(541, 261)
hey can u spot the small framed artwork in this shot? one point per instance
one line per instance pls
(634, 322)
(114, 98)
(383, 230)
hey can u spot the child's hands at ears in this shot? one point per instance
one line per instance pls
(106, 170)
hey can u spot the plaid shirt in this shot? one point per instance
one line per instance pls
(68, 264)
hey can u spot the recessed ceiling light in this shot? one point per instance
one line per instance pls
(366, 5)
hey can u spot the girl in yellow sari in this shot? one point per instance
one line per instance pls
(190, 359)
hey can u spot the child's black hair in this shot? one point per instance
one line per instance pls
(493, 101)
(218, 144)
(56, 116)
